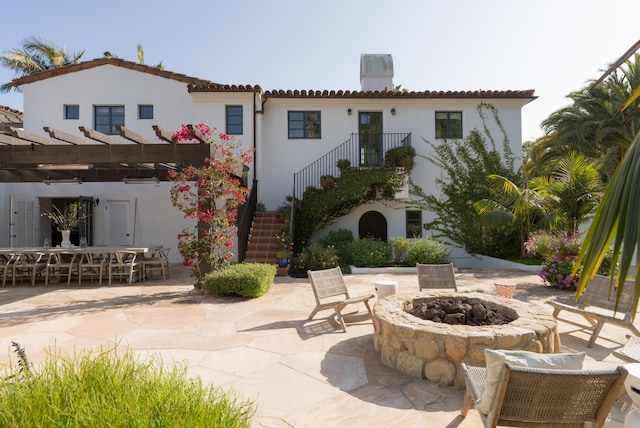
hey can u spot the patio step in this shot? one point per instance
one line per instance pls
(263, 245)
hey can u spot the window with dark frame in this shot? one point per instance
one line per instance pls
(145, 111)
(414, 223)
(448, 124)
(106, 118)
(71, 111)
(304, 124)
(234, 120)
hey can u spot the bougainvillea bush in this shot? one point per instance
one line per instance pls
(210, 196)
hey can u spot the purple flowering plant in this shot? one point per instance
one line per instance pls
(559, 253)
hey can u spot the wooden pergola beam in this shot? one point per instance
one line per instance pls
(30, 136)
(99, 136)
(66, 137)
(133, 136)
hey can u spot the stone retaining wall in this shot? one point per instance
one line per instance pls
(434, 351)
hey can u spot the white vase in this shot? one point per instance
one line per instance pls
(66, 243)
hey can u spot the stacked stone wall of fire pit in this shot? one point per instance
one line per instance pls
(434, 351)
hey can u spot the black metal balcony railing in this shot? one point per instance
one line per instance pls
(362, 150)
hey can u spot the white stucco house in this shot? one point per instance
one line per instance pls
(69, 134)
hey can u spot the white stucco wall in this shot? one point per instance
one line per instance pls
(277, 156)
(152, 220)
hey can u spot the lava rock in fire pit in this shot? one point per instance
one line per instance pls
(459, 312)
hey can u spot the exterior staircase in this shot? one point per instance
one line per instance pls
(263, 246)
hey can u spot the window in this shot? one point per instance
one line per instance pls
(414, 224)
(448, 124)
(107, 117)
(145, 111)
(234, 120)
(304, 124)
(71, 111)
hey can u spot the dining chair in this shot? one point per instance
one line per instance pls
(61, 264)
(124, 262)
(158, 261)
(6, 266)
(28, 265)
(91, 264)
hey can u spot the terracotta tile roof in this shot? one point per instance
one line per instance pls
(215, 87)
(396, 94)
(118, 62)
(9, 117)
(10, 112)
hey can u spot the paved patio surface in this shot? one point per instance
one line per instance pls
(300, 373)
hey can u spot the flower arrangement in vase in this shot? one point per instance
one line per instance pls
(64, 221)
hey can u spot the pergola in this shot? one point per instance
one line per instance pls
(92, 156)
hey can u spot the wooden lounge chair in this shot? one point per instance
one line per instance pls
(630, 352)
(331, 292)
(598, 307)
(436, 276)
(532, 397)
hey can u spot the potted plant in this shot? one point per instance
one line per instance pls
(64, 221)
(284, 242)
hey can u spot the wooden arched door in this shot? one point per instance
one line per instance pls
(372, 224)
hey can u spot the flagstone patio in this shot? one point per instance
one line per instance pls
(300, 373)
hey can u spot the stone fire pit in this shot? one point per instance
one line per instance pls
(434, 351)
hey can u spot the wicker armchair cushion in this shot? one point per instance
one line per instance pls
(495, 359)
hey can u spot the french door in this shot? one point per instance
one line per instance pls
(370, 130)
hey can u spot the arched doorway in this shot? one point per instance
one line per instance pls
(372, 224)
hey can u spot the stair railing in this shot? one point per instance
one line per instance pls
(245, 219)
(362, 151)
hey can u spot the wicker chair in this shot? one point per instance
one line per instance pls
(630, 352)
(531, 397)
(436, 276)
(331, 292)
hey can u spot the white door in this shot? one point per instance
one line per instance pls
(118, 233)
(23, 228)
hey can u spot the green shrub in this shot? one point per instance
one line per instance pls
(428, 251)
(369, 252)
(316, 257)
(340, 240)
(399, 249)
(244, 279)
(112, 389)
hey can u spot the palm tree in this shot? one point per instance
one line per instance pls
(572, 193)
(593, 125)
(35, 55)
(617, 219)
(514, 207)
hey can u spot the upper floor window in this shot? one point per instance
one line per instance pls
(107, 118)
(448, 124)
(71, 111)
(304, 124)
(414, 223)
(145, 111)
(234, 120)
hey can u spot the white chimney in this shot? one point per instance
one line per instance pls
(376, 72)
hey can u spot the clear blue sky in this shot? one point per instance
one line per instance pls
(552, 46)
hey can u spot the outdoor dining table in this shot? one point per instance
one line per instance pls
(7, 254)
